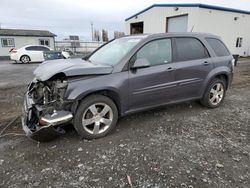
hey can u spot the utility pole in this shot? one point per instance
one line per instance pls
(92, 31)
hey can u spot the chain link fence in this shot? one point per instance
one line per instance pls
(77, 47)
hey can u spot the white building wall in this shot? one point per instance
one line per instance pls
(155, 19)
(222, 23)
(21, 41)
(217, 22)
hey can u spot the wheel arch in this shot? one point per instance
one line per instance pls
(24, 55)
(113, 95)
(220, 74)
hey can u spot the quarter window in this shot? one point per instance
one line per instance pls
(190, 49)
(44, 42)
(239, 42)
(156, 52)
(8, 42)
(218, 47)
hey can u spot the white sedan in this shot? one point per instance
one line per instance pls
(31, 53)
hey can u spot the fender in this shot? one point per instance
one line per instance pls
(96, 90)
(79, 89)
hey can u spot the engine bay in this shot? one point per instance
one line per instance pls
(44, 109)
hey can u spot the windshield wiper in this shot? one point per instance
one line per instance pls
(87, 60)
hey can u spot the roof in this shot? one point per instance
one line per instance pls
(22, 32)
(176, 34)
(190, 5)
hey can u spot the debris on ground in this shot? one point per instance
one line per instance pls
(80, 149)
(218, 165)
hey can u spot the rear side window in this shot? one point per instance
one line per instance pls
(37, 48)
(31, 48)
(190, 49)
(218, 47)
(156, 52)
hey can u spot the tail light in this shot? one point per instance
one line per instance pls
(13, 50)
(233, 62)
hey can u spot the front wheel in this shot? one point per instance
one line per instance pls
(214, 94)
(95, 117)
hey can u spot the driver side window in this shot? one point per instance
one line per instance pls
(156, 52)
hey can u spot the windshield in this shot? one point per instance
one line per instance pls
(114, 51)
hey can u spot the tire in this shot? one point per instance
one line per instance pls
(91, 126)
(25, 59)
(214, 94)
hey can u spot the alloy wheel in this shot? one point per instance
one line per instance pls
(216, 94)
(25, 59)
(97, 118)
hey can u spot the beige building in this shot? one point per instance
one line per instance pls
(232, 25)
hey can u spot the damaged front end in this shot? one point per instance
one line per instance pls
(45, 110)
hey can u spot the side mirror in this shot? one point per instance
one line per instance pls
(141, 63)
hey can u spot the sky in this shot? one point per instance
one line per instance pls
(73, 17)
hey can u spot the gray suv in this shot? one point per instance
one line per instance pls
(124, 76)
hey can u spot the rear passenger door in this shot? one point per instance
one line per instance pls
(192, 66)
(33, 53)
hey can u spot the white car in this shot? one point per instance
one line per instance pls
(31, 53)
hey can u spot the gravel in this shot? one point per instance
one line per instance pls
(184, 145)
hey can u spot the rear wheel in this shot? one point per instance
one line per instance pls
(95, 117)
(215, 93)
(25, 59)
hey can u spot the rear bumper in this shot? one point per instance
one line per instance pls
(42, 127)
(14, 57)
(230, 80)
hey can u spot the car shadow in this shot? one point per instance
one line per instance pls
(137, 120)
(20, 63)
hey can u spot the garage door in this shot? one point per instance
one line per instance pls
(177, 24)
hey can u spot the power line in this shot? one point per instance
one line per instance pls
(92, 31)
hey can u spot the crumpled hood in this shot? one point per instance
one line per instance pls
(70, 67)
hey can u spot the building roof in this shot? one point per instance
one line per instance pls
(190, 5)
(22, 32)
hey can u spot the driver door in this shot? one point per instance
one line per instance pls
(153, 85)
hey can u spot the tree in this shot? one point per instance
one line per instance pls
(97, 35)
(105, 37)
(118, 34)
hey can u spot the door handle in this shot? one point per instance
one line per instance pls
(206, 63)
(170, 69)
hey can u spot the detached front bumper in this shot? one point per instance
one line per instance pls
(42, 127)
